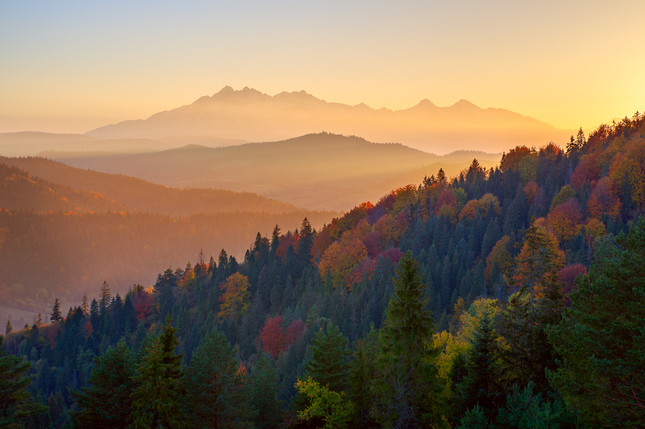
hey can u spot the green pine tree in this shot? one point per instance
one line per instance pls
(216, 392)
(56, 314)
(262, 386)
(407, 389)
(157, 399)
(105, 297)
(16, 403)
(601, 339)
(482, 386)
(107, 403)
(361, 372)
(8, 329)
(328, 365)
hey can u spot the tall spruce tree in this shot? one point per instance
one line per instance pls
(361, 372)
(601, 339)
(56, 314)
(16, 403)
(407, 389)
(482, 386)
(85, 305)
(107, 402)
(157, 401)
(216, 393)
(164, 292)
(262, 388)
(105, 297)
(328, 365)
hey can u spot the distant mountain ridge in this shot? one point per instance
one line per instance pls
(251, 115)
(320, 171)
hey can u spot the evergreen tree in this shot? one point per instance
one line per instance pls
(164, 292)
(262, 387)
(95, 317)
(16, 403)
(56, 315)
(525, 409)
(305, 244)
(216, 393)
(8, 328)
(107, 403)
(85, 306)
(407, 389)
(481, 386)
(129, 315)
(601, 338)
(105, 297)
(328, 365)
(157, 399)
(275, 239)
(361, 372)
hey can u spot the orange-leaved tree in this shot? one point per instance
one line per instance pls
(565, 218)
(538, 263)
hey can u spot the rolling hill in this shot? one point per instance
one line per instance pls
(20, 190)
(318, 171)
(143, 196)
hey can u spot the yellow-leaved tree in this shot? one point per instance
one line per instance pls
(235, 296)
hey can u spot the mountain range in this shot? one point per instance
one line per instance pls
(251, 115)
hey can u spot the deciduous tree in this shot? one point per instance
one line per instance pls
(235, 296)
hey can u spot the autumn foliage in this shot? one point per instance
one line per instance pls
(275, 339)
(235, 296)
(604, 199)
(565, 218)
(567, 275)
(272, 336)
(511, 160)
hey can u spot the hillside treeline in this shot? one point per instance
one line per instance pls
(507, 298)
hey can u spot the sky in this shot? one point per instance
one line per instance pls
(71, 66)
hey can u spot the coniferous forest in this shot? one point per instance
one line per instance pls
(511, 297)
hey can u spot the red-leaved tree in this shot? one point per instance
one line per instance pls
(272, 336)
(293, 332)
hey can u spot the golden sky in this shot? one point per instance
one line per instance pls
(70, 66)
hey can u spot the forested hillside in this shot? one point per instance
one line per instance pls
(145, 196)
(20, 190)
(58, 241)
(501, 298)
